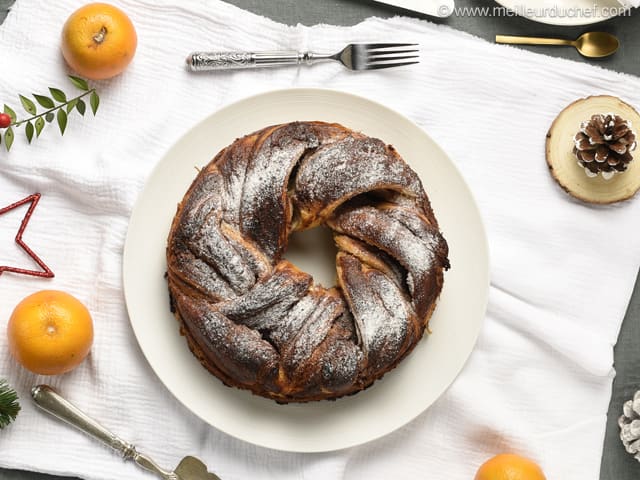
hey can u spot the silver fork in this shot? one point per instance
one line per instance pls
(356, 56)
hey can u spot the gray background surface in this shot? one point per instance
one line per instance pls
(616, 463)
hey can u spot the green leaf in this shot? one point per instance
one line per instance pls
(62, 121)
(81, 83)
(81, 107)
(8, 138)
(46, 102)
(28, 105)
(71, 104)
(29, 131)
(58, 94)
(10, 112)
(94, 100)
(39, 125)
(9, 406)
(49, 117)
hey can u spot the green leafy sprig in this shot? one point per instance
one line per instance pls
(9, 406)
(57, 107)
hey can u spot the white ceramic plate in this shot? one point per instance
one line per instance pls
(320, 426)
(564, 12)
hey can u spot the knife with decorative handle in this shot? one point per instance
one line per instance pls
(49, 400)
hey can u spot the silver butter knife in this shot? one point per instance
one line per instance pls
(435, 8)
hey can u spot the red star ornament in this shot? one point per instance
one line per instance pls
(46, 271)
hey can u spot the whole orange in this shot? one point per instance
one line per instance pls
(508, 466)
(99, 41)
(50, 332)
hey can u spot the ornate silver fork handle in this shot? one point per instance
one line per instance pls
(355, 56)
(206, 61)
(50, 401)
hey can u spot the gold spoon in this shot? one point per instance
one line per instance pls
(591, 44)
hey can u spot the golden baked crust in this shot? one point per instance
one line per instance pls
(255, 320)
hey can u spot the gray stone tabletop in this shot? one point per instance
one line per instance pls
(616, 463)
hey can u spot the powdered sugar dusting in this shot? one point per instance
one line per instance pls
(341, 363)
(353, 165)
(213, 247)
(234, 349)
(313, 332)
(233, 169)
(280, 286)
(264, 210)
(295, 318)
(263, 312)
(200, 275)
(415, 253)
(204, 198)
(381, 313)
(241, 346)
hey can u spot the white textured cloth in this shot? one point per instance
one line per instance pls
(539, 380)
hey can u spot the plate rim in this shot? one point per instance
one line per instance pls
(310, 91)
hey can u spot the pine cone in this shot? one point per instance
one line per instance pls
(604, 145)
(629, 423)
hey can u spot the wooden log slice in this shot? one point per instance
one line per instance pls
(563, 164)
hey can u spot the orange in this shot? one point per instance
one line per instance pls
(98, 41)
(508, 466)
(50, 332)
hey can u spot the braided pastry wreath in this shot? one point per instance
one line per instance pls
(255, 320)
